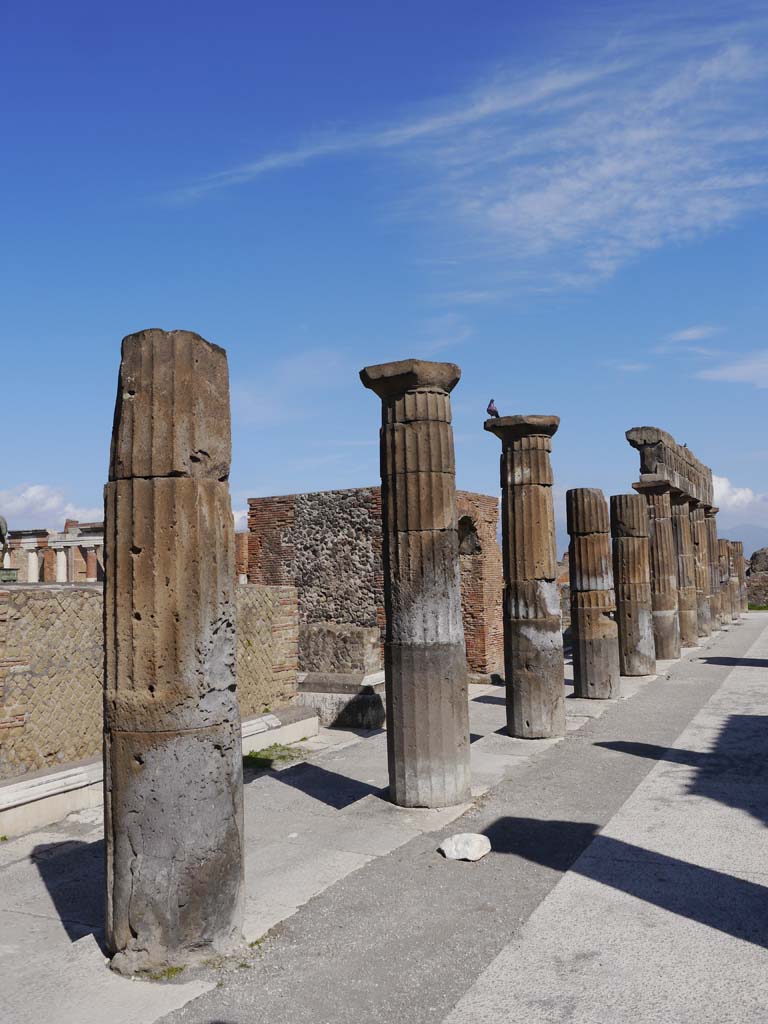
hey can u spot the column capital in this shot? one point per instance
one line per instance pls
(651, 483)
(389, 380)
(512, 428)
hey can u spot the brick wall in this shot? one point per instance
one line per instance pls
(51, 668)
(329, 545)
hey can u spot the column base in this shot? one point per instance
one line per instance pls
(534, 670)
(427, 724)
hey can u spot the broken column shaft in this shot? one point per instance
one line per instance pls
(710, 521)
(533, 640)
(424, 658)
(632, 583)
(701, 570)
(594, 633)
(726, 609)
(734, 586)
(686, 570)
(172, 757)
(663, 561)
(741, 569)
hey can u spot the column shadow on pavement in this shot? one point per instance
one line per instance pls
(73, 873)
(726, 774)
(736, 662)
(730, 905)
(331, 788)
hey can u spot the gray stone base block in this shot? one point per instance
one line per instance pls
(637, 651)
(703, 615)
(595, 646)
(344, 702)
(330, 647)
(534, 675)
(174, 835)
(427, 724)
(666, 634)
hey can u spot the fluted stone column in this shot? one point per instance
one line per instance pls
(663, 559)
(686, 570)
(91, 565)
(61, 565)
(701, 570)
(424, 657)
(710, 520)
(726, 611)
(734, 587)
(533, 640)
(172, 754)
(741, 570)
(632, 581)
(594, 633)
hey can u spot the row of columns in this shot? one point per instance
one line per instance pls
(63, 554)
(173, 770)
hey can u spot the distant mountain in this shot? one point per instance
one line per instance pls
(752, 537)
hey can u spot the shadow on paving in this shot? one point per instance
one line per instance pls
(737, 662)
(73, 874)
(720, 901)
(739, 756)
(337, 791)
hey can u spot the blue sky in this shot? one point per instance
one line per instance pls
(568, 200)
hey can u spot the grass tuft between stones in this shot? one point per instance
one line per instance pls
(271, 757)
(166, 974)
(3, 839)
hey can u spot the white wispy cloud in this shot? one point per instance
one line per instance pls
(697, 333)
(749, 369)
(565, 174)
(730, 498)
(40, 506)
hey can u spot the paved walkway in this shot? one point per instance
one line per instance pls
(664, 917)
(373, 925)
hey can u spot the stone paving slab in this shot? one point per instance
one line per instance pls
(666, 907)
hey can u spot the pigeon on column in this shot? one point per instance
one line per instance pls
(492, 410)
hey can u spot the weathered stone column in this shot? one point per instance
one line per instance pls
(533, 639)
(726, 611)
(61, 565)
(632, 580)
(91, 565)
(663, 559)
(741, 570)
(710, 521)
(424, 659)
(33, 566)
(701, 570)
(686, 570)
(172, 756)
(594, 633)
(734, 586)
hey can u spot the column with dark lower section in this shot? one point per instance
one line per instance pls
(91, 565)
(701, 570)
(172, 757)
(686, 570)
(663, 560)
(734, 587)
(533, 640)
(726, 609)
(741, 569)
(424, 658)
(710, 520)
(632, 583)
(594, 632)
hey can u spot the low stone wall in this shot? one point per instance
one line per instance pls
(51, 668)
(757, 588)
